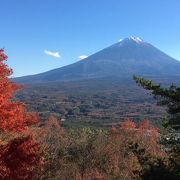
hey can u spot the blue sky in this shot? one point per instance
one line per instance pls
(72, 28)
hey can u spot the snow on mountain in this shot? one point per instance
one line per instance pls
(136, 39)
(123, 59)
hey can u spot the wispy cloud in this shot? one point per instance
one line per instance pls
(51, 53)
(82, 57)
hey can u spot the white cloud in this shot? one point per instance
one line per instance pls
(82, 57)
(54, 54)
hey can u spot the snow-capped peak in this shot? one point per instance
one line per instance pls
(136, 39)
(133, 39)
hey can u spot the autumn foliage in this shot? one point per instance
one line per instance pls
(128, 151)
(13, 116)
(87, 154)
(19, 153)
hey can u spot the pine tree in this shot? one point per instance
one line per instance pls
(169, 97)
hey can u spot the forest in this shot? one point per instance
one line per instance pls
(93, 103)
(36, 143)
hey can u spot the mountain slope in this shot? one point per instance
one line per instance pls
(123, 59)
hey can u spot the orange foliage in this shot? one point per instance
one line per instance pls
(19, 156)
(122, 160)
(145, 134)
(128, 124)
(13, 116)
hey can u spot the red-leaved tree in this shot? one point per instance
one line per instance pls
(19, 153)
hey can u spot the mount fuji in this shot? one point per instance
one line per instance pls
(123, 59)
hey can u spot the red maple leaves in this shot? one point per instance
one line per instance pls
(19, 156)
(13, 116)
